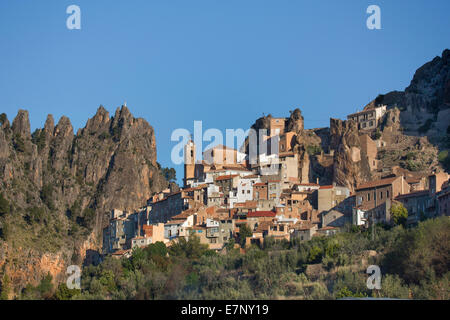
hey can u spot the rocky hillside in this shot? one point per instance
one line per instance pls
(57, 187)
(425, 103)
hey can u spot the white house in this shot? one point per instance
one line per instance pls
(359, 217)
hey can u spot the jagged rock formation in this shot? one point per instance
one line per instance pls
(295, 122)
(425, 103)
(350, 165)
(416, 127)
(60, 186)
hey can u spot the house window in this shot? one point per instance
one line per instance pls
(368, 197)
(387, 193)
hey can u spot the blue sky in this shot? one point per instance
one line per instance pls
(223, 62)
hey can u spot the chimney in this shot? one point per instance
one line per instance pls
(317, 180)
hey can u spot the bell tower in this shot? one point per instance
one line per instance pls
(189, 161)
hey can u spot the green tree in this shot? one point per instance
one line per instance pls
(399, 214)
(4, 205)
(3, 118)
(313, 149)
(170, 174)
(244, 232)
(315, 254)
(346, 292)
(88, 217)
(230, 244)
(156, 249)
(46, 196)
(4, 289)
(19, 145)
(45, 287)
(377, 134)
(38, 138)
(191, 248)
(64, 293)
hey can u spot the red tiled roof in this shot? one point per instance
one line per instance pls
(327, 228)
(413, 194)
(210, 210)
(259, 184)
(326, 187)
(247, 204)
(377, 183)
(236, 167)
(256, 214)
(182, 216)
(250, 176)
(227, 177)
(308, 184)
(263, 226)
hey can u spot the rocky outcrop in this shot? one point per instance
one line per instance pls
(61, 185)
(426, 99)
(295, 122)
(350, 166)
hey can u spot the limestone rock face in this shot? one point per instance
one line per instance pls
(21, 124)
(350, 166)
(295, 122)
(72, 181)
(427, 98)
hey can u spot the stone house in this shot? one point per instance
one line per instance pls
(374, 199)
(330, 196)
(260, 191)
(416, 203)
(123, 226)
(327, 231)
(339, 215)
(256, 217)
(443, 199)
(163, 210)
(373, 193)
(369, 147)
(304, 232)
(369, 118)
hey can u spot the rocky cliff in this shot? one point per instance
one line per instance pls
(425, 103)
(57, 187)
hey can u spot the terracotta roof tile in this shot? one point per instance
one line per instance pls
(257, 214)
(227, 177)
(377, 183)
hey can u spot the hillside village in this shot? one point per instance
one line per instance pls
(228, 199)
